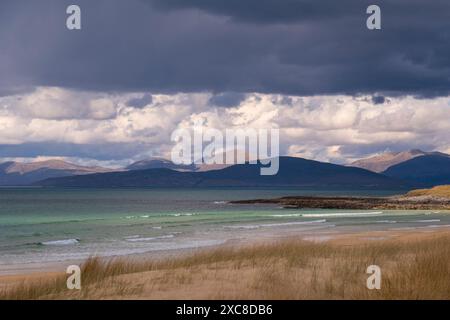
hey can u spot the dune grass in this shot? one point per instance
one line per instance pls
(289, 269)
(438, 191)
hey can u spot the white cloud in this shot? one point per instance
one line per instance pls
(59, 104)
(321, 127)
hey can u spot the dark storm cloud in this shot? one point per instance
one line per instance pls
(378, 99)
(141, 102)
(270, 46)
(227, 99)
(265, 11)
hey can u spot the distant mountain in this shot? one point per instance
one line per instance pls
(19, 174)
(429, 170)
(380, 163)
(159, 163)
(293, 172)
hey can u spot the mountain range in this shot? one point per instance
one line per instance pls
(427, 171)
(382, 162)
(293, 172)
(413, 168)
(159, 163)
(21, 174)
(422, 169)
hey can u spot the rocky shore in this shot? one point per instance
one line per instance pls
(405, 202)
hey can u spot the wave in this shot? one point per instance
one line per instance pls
(342, 214)
(132, 237)
(43, 223)
(386, 221)
(102, 251)
(434, 212)
(220, 202)
(146, 216)
(183, 214)
(286, 215)
(64, 242)
(137, 239)
(426, 221)
(437, 226)
(276, 224)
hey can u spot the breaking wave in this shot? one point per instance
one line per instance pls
(342, 214)
(426, 221)
(276, 224)
(183, 214)
(137, 239)
(64, 242)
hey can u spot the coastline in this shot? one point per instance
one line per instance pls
(314, 234)
(349, 239)
(267, 257)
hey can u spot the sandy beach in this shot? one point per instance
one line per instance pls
(326, 266)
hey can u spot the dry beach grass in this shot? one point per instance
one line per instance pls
(438, 191)
(414, 266)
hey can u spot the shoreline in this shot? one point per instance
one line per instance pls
(413, 263)
(35, 271)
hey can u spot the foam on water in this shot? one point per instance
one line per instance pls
(132, 237)
(138, 239)
(103, 251)
(183, 214)
(342, 214)
(276, 224)
(64, 242)
(286, 215)
(437, 226)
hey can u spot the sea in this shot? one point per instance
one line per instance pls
(40, 225)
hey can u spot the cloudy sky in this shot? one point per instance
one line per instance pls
(114, 91)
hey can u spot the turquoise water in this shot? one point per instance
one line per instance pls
(44, 225)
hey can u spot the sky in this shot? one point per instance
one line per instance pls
(114, 91)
